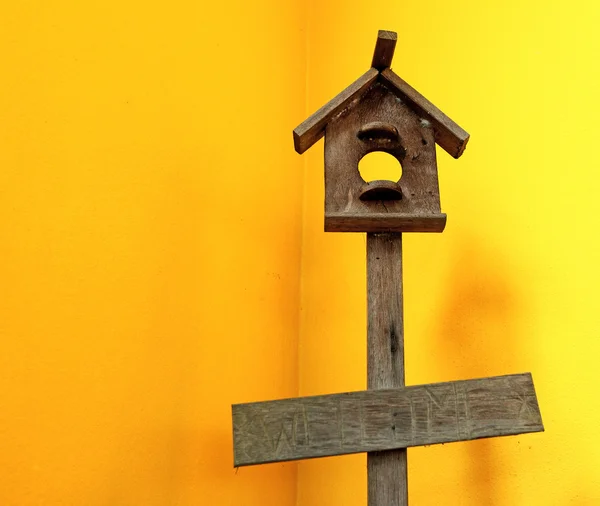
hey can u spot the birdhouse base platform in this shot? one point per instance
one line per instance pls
(382, 222)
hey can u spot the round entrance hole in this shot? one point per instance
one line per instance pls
(378, 166)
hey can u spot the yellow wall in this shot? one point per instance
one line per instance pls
(159, 262)
(150, 214)
(512, 284)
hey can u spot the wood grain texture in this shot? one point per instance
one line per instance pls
(451, 137)
(384, 49)
(380, 121)
(387, 479)
(313, 128)
(375, 420)
(382, 222)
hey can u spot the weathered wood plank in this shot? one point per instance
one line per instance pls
(384, 49)
(382, 222)
(449, 135)
(313, 128)
(376, 420)
(387, 478)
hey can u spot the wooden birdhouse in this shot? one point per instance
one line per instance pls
(381, 112)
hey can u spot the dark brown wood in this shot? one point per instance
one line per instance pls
(378, 130)
(387, 479)
(381, 112)
(382, 222)
(313, 128)
(384, 49)
(448, 134)
(380, 190)
(374, 420)
(379, 121)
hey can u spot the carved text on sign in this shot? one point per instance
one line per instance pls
(376, 420)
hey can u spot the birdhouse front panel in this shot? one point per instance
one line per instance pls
(379, 120)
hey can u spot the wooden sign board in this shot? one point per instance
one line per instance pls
(376, 420)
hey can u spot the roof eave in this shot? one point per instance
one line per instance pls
(313, 128)
(449, 135)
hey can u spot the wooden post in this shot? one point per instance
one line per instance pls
(386, 470)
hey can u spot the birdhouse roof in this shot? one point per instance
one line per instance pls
(450, 136)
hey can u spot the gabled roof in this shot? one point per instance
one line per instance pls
(451, 137)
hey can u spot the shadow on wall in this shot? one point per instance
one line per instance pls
(478, 337)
